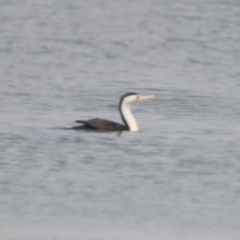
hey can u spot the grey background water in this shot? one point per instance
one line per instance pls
(178, 178)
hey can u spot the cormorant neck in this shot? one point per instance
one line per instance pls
(127, 116)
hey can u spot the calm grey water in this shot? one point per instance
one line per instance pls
(178, 178)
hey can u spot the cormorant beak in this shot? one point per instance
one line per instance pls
(142, 97)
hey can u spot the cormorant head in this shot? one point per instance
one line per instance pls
(131, 97)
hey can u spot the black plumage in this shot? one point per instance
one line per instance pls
(100, 124)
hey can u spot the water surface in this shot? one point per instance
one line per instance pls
(177, 178)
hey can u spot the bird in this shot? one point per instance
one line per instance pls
(124, 107)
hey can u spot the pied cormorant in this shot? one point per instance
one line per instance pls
(130, 123)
